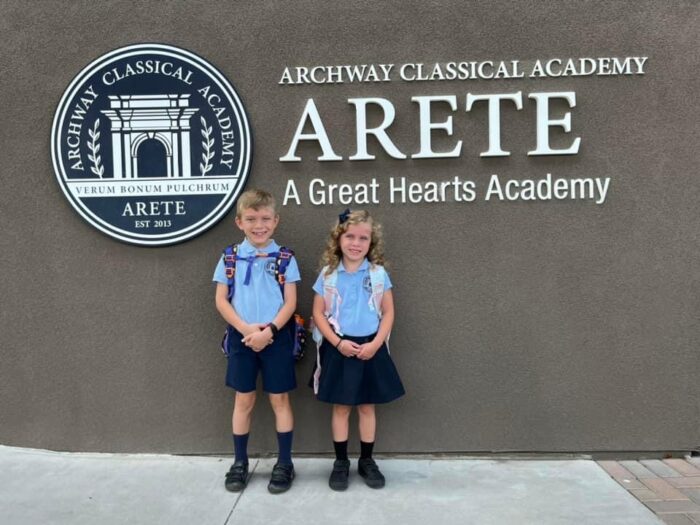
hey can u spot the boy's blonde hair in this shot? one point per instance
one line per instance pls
(255, 199)
(332, 255)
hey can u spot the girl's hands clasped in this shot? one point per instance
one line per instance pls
(348, 348)
(366, 351)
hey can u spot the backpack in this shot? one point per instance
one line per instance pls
(332, 301)
(282, 259)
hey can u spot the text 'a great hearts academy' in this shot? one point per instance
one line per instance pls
(399, 190)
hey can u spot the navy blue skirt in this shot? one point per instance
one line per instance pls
(352, 381)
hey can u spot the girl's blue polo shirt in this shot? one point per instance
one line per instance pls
(261, 299)
(355, 289)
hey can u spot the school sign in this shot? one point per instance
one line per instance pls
(534, 169)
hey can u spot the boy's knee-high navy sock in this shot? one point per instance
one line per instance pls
(341, 449)
(284, 442)
(240, 447)
(366, 449)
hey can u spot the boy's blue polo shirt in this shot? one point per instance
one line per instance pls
(356, 318)
(261, 299)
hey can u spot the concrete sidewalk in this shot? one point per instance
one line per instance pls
(60, 488)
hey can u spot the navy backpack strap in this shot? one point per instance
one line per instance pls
(282, 260)
(230, 255)
(296, 323)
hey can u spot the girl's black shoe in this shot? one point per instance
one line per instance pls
(237, 477)
(339, 476)
(369, 470)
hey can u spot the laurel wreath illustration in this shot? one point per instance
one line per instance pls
(94, 146)
(207, 146)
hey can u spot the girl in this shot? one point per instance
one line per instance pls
(354, 312)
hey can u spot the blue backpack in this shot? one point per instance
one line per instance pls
(282, 259)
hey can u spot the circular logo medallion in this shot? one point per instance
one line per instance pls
(151, 144)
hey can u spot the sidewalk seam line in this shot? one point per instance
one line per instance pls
(230, 514)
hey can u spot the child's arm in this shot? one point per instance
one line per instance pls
(368, 350)
(289, 306)
(264, 336)
(229, 313)
(345, 347)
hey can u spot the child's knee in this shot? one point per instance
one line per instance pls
(280, 402)
(245, 401)
(365, 410)
(342, 410)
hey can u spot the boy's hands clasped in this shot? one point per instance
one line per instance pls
(255, 337)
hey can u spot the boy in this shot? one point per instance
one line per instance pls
(259, 340)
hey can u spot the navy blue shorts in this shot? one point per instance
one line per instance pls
(352, 381)
(275, 361)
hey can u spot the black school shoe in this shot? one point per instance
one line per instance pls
(237, 477)
(281, 479)
(368, 469)
(339, 476)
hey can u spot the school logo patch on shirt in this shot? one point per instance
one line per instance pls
(367, 284)
(151, 144)
(270, 267)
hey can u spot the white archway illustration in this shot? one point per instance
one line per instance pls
(136, 141)
(135, 118)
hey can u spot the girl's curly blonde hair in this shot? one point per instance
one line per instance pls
(332, 254)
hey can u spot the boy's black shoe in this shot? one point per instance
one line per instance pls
(339, 476)
(281, 479)
(237, 477)
(369, 470)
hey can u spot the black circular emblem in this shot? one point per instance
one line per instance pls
(151, 144)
